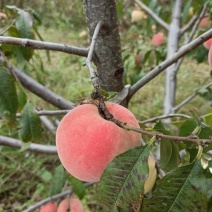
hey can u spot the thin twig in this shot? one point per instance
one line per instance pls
(42, 91)
(169, 137)
(152, 14)
(53, 198)
(157, 70)
(39, 148)
(154, 119)
(94, 75)
(191, 35)
(189, 24)
(48, 124)
(188, 99)
(41, 45)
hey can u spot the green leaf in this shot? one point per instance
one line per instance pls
(122, 183)
(22, 99)
(30, 124)
(169, 154)
(8, 95)
(160, 128)
(24, 26)
(57, 181)
(187, 127)
(78, 187)
(208, 117)
(169, 150)
(183, 189)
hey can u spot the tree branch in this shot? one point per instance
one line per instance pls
(41, 90)
(188, 99)
(39, 148)
(41, 45)
(94, 75)
(152, 14)
(189, 24)
(154, 119)
(53, 198)
(47, 123)
(182, 52)
(169, 137)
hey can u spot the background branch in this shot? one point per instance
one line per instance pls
(157, 70)
(40, 90)
(188, 99)
(41, 45)
(152, 14)
(47, 123)
(39, 148)
(154, 119)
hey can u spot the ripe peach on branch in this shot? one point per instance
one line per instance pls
(87, 143)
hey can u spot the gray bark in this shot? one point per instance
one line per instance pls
(173, 43)
(107, 56)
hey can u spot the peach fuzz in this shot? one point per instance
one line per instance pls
(157, 39)
(50, 207)
(74, 204)
(210, 57)
(87, 143)
(207, 43)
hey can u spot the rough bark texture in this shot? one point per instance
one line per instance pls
(173, 43)
(107, 58)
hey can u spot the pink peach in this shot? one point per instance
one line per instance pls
(205, 22)
(210, 57)
(207, 43)
(87, 143)
(50, 207)
(74, 204)
(157, 39)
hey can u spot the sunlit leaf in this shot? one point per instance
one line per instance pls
(8, 95)
(30, 124)
(122, 183)
(183, 189)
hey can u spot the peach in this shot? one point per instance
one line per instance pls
(157, 39)
(137, 16)
(207, 43)
(150, 181)
(205, 22)
(87, 143)
(74, 204)
(210, 57)
(50, 207)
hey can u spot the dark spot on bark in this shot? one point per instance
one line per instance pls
(119, 72)
(104, 30)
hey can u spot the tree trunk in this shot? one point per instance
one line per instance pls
(173, 43)
(107, 57)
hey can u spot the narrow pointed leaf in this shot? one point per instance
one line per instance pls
(8, 95)
(122, 183)
(78, 187)
(169, 150)
(183, 189)
(58, 181)
(30, 124)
